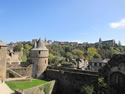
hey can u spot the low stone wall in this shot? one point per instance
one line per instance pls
(41, 89)
(23, 71)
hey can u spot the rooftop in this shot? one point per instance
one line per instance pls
(39, 45)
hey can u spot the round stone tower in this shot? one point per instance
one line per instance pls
(39, 56)
(3, 54)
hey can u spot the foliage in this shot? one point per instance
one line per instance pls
(87, 89)
(26, 50)
(47, 88)
(101, 84)
(24, 59)
(26, 46)
(51, 57)
(79, 53)
(17, 48)
(92, 52)
(56, 60)
(69, 55)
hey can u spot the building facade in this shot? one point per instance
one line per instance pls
(96, 63)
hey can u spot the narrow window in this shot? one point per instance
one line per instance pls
(0, 47)
(95, 64)
(39, 52)
(116, 79)
(45, 61)
(100, 64)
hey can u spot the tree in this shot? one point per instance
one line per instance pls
(69, 55)
(51, 57)
(92, 52)
(26, 46)
(17, 48)
(26, 52)
(78, 53)
(56, 60)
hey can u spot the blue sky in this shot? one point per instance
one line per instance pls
(71, 20)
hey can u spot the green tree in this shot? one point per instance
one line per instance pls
(17, 48)
(26, 52)
(51, 57)
(69, 55)
(26, 46)
(56, 60)
(92, 52)
(78, 53)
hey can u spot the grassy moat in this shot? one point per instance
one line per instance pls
(22, 85)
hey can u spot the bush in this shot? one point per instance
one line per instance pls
(87, 89)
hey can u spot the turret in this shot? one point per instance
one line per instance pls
(39, 56)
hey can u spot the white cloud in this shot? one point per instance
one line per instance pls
(116, 25)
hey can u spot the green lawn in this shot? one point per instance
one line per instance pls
(22, 85)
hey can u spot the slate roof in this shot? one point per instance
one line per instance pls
(39, 45)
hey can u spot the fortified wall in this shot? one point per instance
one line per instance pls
(22, 71)
(70, 81)
(3, 54)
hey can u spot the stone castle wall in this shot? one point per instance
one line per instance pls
(69, 82)
(3, 53)
(39, 61)
(39, 66)
(39, 53)
(23, 71)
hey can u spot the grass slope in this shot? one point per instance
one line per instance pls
(22, 85)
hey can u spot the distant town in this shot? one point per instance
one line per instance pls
(50, 42)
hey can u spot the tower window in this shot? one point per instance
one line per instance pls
(45, 61)
(117, 79)
(0, 47)
(95, 64)
(39, 52)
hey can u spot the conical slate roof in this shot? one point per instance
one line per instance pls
(39, 45)
(2, 44)
(35, 45)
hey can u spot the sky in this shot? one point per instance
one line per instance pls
(62, 20)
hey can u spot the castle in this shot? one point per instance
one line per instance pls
(39, 61)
